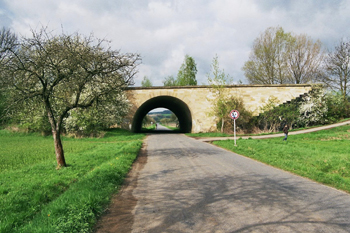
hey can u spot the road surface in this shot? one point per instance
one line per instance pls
(183, 185)
(159, 127)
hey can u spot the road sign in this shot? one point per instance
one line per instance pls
(234, 114)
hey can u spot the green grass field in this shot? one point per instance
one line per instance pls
(149, 127)
(35, 197)
(323, 156)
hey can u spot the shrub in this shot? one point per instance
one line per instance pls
(274, 117)
(338, 108)
(243, 123)
(313, 109)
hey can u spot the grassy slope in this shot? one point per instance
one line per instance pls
(323, 156)
(34, 197)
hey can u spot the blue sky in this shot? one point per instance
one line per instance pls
(164, 31)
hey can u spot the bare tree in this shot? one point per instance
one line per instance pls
(65, 72)
(304, 59)
(337, 65)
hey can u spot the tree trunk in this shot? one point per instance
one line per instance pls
(61, 162)
(222, 125)
(56, 133)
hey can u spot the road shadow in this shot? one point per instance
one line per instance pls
(237, 201)
(249, 200)
(214, 202)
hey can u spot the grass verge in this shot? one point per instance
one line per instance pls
(151, 127)
(322, 156)
(171, 127)
(34, 197)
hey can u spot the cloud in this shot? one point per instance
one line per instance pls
(164, 31)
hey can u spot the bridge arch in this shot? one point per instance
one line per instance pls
(177, 106)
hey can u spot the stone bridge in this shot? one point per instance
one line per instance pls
(191, 104)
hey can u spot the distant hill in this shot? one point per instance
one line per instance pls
(158, 116)
(165, 112)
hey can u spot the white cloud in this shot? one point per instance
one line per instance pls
(163, 32)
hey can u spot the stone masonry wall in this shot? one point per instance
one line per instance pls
(199, 99)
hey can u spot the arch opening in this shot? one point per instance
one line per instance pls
(177, 106)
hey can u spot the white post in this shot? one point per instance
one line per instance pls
(234, 131)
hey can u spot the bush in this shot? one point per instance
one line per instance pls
(243, 123)
(338, 108)
(31, 119)
(274, 117)
(313, 108)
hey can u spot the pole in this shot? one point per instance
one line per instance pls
(234, 131)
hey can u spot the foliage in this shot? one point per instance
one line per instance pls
(146, 82)
(187, 72)
(316, 108)
(267, 62)
(243, 123)
(338, 108)
(338, 68)
(186, 75)
(34, 197)
(313, 109)
(217, 78)
(30, 118)
(91, 121)
(268, 119)
(173, 118)
(158, 116)
(8, 43)
(322, 156)
(222, 101)
(278, 57)
(170, 81)
(65, 72)
(148, 120)
(169, 119)
(273, 117)
(304, 59)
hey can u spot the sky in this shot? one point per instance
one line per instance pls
(164, 31)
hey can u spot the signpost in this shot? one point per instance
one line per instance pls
(234, 114)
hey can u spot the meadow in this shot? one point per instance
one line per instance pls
(35, 197)
(323, 156)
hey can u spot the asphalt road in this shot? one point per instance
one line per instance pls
(161, 128)
(183, 185)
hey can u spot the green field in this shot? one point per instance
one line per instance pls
(323, 156)
(35, 197)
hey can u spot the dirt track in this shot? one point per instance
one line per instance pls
(184, 185)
